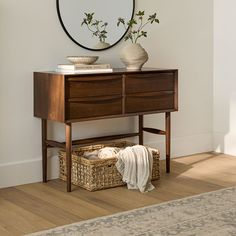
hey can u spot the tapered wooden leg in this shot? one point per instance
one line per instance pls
(140, 124)
(167, 125)
(44, 150)
(68, 155)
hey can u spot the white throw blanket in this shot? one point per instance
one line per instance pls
(135, 165)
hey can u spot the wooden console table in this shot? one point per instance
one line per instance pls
(70, 98)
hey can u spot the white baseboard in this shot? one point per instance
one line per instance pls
(225, 143)
(25, 172)
(188, 145)
(30, 171)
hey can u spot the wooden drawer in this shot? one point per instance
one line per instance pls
(144, 102)
(89, 86)
(93, 107)
(149, 82)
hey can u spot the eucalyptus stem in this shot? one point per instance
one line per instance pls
(145, 24)
(139, 29)
(132, 40)
(90, 29)
(133, 34)
(97, 27)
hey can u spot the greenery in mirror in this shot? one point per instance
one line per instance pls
(136, 25)
(97, 27)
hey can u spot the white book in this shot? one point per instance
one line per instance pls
(81, 67)
(84, 71)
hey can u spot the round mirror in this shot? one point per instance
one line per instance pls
(92, 24)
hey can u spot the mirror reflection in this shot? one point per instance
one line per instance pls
(92, 24)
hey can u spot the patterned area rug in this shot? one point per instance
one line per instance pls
(211, 214)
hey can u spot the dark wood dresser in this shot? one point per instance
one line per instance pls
(70, 98)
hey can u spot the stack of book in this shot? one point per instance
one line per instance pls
(81, 68)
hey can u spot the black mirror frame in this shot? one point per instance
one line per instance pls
(91, 49)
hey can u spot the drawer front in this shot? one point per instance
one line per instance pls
(153, 82)
(146, 102)
(94, 107)
(93, 86)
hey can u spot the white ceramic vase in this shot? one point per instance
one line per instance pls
(101, 45)
(134, 56)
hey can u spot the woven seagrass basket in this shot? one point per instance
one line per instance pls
(101, 173)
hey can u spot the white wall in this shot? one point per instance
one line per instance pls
(32, 39)
(224, 76)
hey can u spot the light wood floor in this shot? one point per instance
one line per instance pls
(34, 207)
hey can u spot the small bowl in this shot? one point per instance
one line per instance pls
(82, 60)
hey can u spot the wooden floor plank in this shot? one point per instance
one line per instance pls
(34, 207)
(39, 207)
(17, 221)
(64, 201)
(5, 232)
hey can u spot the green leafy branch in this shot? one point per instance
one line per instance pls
(97, 27)
(136, 26)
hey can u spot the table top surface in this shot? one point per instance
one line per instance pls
(115, 71)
